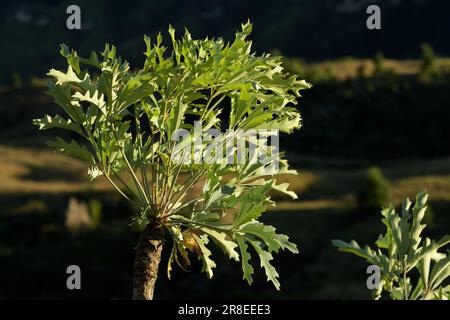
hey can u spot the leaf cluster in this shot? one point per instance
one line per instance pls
(411, 267)
(127, 119)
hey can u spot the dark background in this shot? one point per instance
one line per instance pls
(315, 30)
(380, 100)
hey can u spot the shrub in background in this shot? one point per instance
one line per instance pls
(378, 64)
(374, 190)
(428, 68)
(17, 81)
(95, 211)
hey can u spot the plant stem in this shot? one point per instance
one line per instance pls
(147, 260)
(182, 193)
(140, 147)
(405, 285)
(130, 168)
(117, 188)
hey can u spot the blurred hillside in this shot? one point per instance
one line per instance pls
(31, 31)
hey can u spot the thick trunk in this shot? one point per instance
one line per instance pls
(146, 263)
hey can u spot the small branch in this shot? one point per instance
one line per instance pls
(130, 169)
(117, 188)
(182, 193)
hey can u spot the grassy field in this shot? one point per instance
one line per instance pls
(348, 68)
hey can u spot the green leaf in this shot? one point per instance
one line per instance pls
(240, 104)
(417, 290)
(176, 116)
(72, 58)
(248, 211)
(133, 92)
(418, 215)
(95, 98)
(285, 244)
(72, 148)
(57, 121)
(247, 268)
(252, 203)
(62, 97)
(265, 233)
(226, 243)
(92, 60)
(440, 272)
(353, 247)
(283, 187)
(265, 258)
(285, 124)
(208, 264)
(382, 242)
(69, 77)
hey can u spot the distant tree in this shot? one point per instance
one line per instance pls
(428, 58)
(378, 63)
(428, 69)
(17, 82)
(374, 191)
(361, 70)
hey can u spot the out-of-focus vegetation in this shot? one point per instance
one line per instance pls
(374, 190)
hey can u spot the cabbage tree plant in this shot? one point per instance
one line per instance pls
(411, 267)
(129, 119)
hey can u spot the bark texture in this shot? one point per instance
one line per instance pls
(146, 263)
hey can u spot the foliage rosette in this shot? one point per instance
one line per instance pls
(127, 119)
